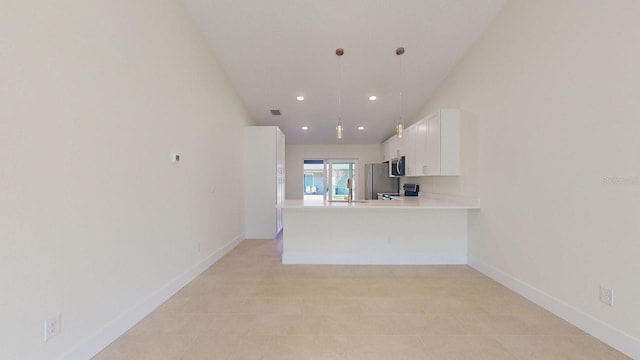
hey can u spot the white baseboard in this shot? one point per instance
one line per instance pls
(298, 259)
(602, 331)
(124, 322)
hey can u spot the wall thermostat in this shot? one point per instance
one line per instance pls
(175, 158)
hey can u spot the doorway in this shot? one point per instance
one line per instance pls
(313, 183)
(326, 179)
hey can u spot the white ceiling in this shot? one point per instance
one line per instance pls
(276, 50)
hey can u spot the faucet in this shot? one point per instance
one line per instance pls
(350, 187)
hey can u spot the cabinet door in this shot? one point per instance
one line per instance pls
(280, 152)
(420, 145)
(386, 151)
(433, 144)
(280, 176)
(409, 151)
(393, 147)
(402, 145)
(280, 200)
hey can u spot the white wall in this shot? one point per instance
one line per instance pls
(553, 87)
(295, 154)
(93, 217)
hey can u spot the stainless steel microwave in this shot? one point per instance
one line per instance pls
(396, 167)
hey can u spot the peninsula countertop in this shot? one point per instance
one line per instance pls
(437, 202)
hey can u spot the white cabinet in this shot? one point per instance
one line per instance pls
(402, 146)
(443, 143)
(279, 177)
(264, 181)
(409, 151)
(385, 151)
(416, 164)
(390, 148)
(431, 146)
(393, 147)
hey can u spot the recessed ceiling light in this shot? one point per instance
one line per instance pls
(305, 128)
(360, 127)
(300, 98)
(372, 97)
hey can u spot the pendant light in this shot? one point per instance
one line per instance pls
(339, 127)
(400, 124)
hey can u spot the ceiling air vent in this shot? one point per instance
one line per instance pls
(275, 112)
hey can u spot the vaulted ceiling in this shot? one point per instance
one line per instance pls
(274, 51)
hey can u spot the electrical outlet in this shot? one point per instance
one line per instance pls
(606, 296)
(52, 327)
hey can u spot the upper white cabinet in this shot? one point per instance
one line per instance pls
(394, 148)
(264, 181)
(431, 146)
(443, 143)
(402, 146)
(416, 163)
(409, 151)
(385, 150)
(390, 149)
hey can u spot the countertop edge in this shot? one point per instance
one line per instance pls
(422, 204)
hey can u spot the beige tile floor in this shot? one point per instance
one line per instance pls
(250, 306)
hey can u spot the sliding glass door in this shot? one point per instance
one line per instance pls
(313, 187)
(339, 172)
(327, 179)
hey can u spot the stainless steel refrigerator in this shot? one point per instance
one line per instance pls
(377, 180)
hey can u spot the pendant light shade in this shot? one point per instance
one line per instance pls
(400, 124)
(339, 127)
(400, 129)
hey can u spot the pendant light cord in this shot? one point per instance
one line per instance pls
(339, 87)
(339, 127)
(401, 88)
(400, 124)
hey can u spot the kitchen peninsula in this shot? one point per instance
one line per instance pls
(416, 231)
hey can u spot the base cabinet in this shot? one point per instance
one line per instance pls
(264, 181)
